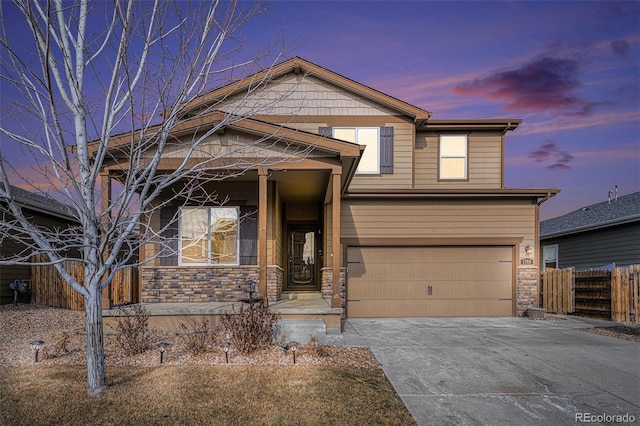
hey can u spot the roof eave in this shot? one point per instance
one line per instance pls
(533, 193)
(503, 124)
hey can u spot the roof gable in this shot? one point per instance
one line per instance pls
(299, 66)
(205, 122)
(607, 213)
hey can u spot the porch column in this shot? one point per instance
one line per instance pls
(105, 197)
(262, 233)
(336, 301)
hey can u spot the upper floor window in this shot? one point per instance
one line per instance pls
(208, 236)
(369, 136)
(453, 151)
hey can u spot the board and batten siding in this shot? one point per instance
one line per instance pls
(484, 157)
(389, 219)
(592, 249)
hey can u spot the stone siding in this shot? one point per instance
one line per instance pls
(275, 279)
(327, 285)
(526, 288)
(166, 284)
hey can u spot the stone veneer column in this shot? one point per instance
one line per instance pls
(275, 279)
(527, 295)
(327, 286)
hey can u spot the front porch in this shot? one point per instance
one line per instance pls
(302, 316)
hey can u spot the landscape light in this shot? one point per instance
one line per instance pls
(225, 349)
(162, 346)
(36, 345)
(293, 345)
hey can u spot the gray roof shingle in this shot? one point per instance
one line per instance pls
(624, 209)
(41, 203)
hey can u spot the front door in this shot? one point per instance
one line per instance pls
(302, 258)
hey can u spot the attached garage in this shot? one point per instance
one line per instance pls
(430, 281)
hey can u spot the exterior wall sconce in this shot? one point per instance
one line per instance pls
(36, 345)
(162, 346)
(225, 348)
(528, 250)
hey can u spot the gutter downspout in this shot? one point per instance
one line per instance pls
(545, 198)
(504, 132)
(537, 244)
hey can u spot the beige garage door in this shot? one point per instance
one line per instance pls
(429, 281)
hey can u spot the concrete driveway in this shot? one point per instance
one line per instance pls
(504, 371)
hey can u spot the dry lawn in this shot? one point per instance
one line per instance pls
(190, 395)
(328, 385)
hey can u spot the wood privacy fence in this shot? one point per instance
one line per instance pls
(48, 287)
(599, 293)
(558, 286)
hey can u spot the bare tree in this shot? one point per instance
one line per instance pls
(107, 75)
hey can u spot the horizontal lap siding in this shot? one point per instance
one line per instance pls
(619, 244)
(438, 219)
(401, 178)
(485, 162)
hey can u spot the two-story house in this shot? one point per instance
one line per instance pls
(348, 193)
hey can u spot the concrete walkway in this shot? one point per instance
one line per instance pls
(504, 371)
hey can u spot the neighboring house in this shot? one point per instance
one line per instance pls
(417, 224)
(44, 211)
(594, 236)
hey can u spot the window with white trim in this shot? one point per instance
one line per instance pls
(208, 236)
(550, 256)
(453, 151)
(368, 136)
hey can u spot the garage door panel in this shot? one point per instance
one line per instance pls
(426, 271)
(447, 289)
(395, 281)
(435, 308)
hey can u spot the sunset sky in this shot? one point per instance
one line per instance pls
(570, 70)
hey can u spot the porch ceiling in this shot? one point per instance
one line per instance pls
(301, 186)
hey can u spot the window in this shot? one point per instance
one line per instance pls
(453, 157)
(550, 256)
(208, 236)
(368, 136)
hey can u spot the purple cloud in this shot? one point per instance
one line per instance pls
(621, 47)
(549, 153)
(543, 84)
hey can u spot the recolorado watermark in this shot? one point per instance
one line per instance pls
(604, 418)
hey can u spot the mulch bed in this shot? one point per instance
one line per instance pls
(62, 330)
(629, 332)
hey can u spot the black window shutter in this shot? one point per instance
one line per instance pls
(248, 235)
(327, 132)
(169, 227)
(386, 150)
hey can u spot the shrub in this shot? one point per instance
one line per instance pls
(196, 338)
(60, 347)
(249, 329)
(316, 348)
(132, 324)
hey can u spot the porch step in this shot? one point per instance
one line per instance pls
(303, 329)
(288, 295)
